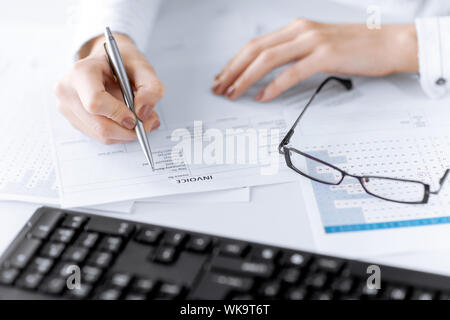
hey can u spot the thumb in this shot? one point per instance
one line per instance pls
(149, 89)
(96, 100)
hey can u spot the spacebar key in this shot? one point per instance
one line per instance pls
(249, 268)
(216, 286)
(112, 227)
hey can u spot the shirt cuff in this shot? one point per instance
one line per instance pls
(433, 36)
(134, 18)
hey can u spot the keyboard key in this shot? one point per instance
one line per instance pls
(65, 269)
(290, 275)
(342, 285)
(88, 239)
(74, 222)
(257, 269)
(42, 265)
(143, 285)
(352, 296)
(80, 293)
(149, 235)
(110, 294)
(368, 292)
(169, 291)
(121, 280)
(322, 296)
(8, 276)
(423, 295)
(317, 281)
(329, 265)
(24, 252)
(233, 249)
(199, 244)
(216, 286)
(396, 293)
(165, 255)
(100, 259)
(266, 254)
(53, 250)
(45, 225)
(174, 238)
(30, 280)
(270, 290)
(110, 227)
(63, 235)
(295, 259)
(75, 254)
(242, 297)
(53, 285)
(91, 274)
(111, 244)
(296, 294)
(135, 296)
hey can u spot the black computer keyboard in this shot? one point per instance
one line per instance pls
(120, 259)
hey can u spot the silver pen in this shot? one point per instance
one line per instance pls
(118, 68)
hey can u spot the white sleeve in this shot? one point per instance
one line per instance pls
(433, 36)
(134, 18)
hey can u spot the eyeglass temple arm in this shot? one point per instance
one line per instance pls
(441, 182)
(347, 83)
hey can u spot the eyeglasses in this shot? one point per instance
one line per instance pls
(386, 188)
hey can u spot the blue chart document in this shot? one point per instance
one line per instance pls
(376, 129)
(347, 207)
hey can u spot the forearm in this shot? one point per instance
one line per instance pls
(404, 49)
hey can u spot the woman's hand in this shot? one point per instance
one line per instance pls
(318, 47)
(92, 101)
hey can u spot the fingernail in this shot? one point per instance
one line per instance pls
(230, 92)
(156, 125)
(215, 86)
(259, 95)
(128, 123)
(145, 112)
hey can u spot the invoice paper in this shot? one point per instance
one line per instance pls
(92, 173)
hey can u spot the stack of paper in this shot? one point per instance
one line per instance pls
(82, 172)
(27, 169)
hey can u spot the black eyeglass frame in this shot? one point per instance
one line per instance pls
(284, 149)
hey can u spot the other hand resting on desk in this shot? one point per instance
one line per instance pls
(318, 47)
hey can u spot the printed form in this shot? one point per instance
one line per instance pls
(379, 128)
(92, 173)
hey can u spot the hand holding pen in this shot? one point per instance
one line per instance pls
(92, 100)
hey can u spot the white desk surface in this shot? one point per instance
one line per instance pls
(275, 214)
